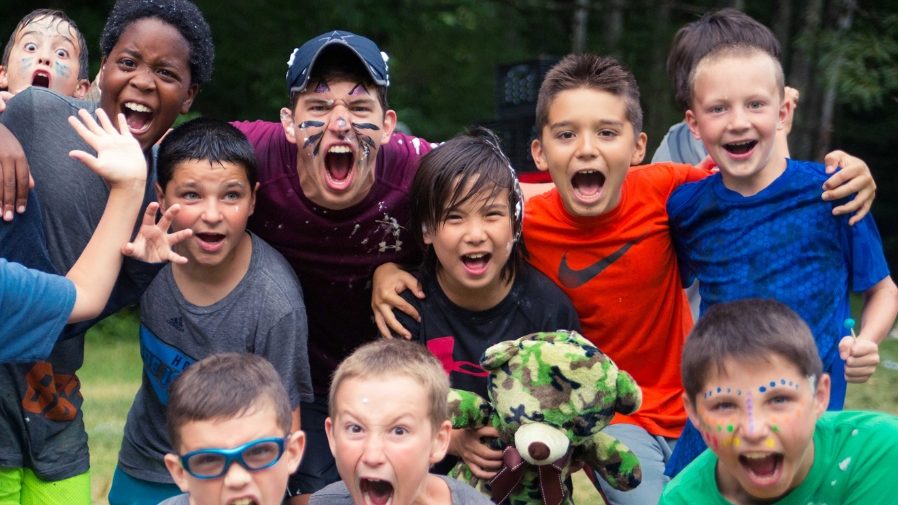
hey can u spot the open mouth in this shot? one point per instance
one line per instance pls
(740, 147)
(209, 241)
(588, 184)
(376, 492)
(244, 501)
(476, 263)
(338, 162)
(41, 78)
(138, 116)
(762, 467)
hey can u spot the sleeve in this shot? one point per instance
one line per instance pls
(290, 332)
(676, 208)
(868, 262)
(274, 154)
(34, 307)
(18, 118)
(413, 326)
(679, 146)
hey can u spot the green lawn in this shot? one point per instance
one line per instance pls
(111, 376)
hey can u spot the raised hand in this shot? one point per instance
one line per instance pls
(153, 243)
(119, 158)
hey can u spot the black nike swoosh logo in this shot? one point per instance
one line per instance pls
(571, 278)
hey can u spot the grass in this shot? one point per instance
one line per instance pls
(111, 376)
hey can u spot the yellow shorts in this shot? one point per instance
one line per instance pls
(22, 486)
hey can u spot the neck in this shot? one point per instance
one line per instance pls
(477, 299)
(204, 285)
(750, 186)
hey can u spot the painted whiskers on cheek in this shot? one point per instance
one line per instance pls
(365, 142)
(27, 62)
(315, 138)
(62, 70)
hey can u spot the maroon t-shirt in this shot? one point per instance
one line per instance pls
(335, 252)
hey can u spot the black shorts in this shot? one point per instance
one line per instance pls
(318, 468)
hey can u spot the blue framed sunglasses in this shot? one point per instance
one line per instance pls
(254, 455)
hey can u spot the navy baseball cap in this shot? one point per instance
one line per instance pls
(303, 58)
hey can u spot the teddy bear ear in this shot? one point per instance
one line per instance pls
(499, 354)
(467, 409)
(629, 395)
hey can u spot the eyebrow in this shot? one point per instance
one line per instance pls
(601, 122)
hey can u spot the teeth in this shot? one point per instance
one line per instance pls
(756, 455)
(588, 172)
(339, 149)
(475, 256)
(136, 107)
(242, 501)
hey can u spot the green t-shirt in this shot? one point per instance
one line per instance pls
(855, 459)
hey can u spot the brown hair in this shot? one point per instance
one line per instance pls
(223, 386)
(714, 29)
(592, 72)
(59, 17)
(391, 358)
(747, 330)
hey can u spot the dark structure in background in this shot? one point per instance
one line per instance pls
(517, 88)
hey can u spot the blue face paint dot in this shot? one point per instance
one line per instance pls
(718, 390)
(782, 381)
(762, 389)
(772, 383)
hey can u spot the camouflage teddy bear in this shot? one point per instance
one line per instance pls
(550, 394)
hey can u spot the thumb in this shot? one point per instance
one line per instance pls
(845, 346)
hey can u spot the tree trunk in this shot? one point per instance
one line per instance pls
(831, 83)
(581, 21)
(803, 78)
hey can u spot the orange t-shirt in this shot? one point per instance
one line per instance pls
(620, 271)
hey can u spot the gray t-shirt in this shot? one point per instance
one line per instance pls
(462, 494)
(42, 426)
(181, 499)
(264, 315)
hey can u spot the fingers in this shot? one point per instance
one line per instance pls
(8, 173)
(845, 346)
(393, 326)
(861, 358)
(24, 182)
(833, 160)
(479, 472)
(167, 216)
(487, 431)
(179, 236)
(381, 326)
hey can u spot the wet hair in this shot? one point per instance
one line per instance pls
(714, 29)
(388, 358)
(589, 71)
(208, 140)
(183, 15)
(60, 17)
(340, 62)
(225, 386)
(441, 184)
(750, 330)
(737, 51)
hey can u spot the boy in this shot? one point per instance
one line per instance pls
(334, 200)
(236, 293)
(756, 389)
(45, 431)
(35, 304)
(467, 212)
(229, 421)
(726, 226)
(48, 50)
(388, 422)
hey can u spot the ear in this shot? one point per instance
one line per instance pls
(178, 474)
(440, 444)
(389, 125)
(536, 151)
(191, 94)
(639, 150)
(691, 412)
(160, 197)
(4, 78)
(294, 448)
(426, 234)
(692, 123)
(329, 431)
(81, 89)
(785, 111)
(252, 200)
(287, 124)
(821, 395)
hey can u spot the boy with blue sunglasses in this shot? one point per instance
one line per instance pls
(229, 419)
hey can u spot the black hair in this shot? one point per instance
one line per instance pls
(441, 185)
(181, 14)
(83, 65)
(747, 331)
(205, 139)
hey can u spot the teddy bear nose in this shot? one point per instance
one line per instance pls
(538, 450)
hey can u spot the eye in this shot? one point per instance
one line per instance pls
(724, 406)
(232, 195)
(190, 195)
(495, 214)
(127, 63)
(565, 135)
(454, 218)
(608, 134)
(399, 430)
(30, 47)
(62, 53)
(167, 75)
(353, 428)
(716, 109)
(755, 105)
(361, 109)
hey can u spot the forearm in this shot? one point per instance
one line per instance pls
(95, 272)
(880, 309)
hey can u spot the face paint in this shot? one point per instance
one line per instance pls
(27, 63)
(310, 124)
(321, 87)
(359, 89)
(341, 122)
(62, 70)
(751, 417)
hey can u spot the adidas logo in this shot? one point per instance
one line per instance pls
(176, 323)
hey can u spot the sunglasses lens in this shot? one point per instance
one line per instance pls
(206, 464)
(261, 455)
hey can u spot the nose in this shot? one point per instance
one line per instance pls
(738, 119)
(211, 212)
(754, 426)
(236, 477)
(339, 122)
(586, 146)
(45, 55)
(373, 454)
(143, 79)
(474, 232)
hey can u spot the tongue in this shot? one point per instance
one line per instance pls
(763, 466)
(339, 165)
(379, 491)
(475, 263)
(588, 184)
(137, 120)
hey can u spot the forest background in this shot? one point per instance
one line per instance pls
(463, 62)
(454, 63)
